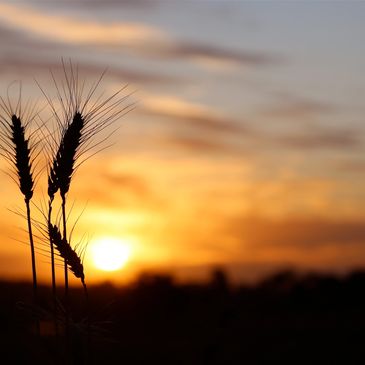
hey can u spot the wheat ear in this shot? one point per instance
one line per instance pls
(61, 171)
(63, 165)
(65, 250)
(22, 162)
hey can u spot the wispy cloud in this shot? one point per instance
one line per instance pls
(76, 31)
(192, 114)
(182, 50)
(134, 183)
(196, 144)
(19, 57)
(291, 108)
(36, 66)
(113, 189)
(138, 38)
(214, 125)
(107, 3)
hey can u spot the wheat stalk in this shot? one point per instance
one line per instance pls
(80, 120)
(61, 172)
(16, 149)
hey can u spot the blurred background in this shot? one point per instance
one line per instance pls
(245, 150)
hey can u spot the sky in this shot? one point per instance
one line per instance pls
(246, 146)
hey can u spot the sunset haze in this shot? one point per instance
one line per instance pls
(245, 148)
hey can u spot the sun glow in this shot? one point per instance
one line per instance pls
(110, 254)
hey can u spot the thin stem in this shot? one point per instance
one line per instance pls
(88, 342)
(52, 253)
(54, 293)
(67, 315)
(34, 271)
(67, 319)
(85, 291)
(65, 237)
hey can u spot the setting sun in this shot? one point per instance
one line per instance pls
(109, 254)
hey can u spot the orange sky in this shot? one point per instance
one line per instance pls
(246, 148)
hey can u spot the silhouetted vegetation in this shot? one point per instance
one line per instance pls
(79, 114)
(286, 318)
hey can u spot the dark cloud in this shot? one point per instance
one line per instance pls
(17, 44)
(301, 233)
(22, 65)
(11, 37)
(288, 108)
(319, 139)
(314, 137)
(203, 120)
(116, 190)
(205, 132)
(115, 73)
(135, 184)
(351, 166)
(195, 144)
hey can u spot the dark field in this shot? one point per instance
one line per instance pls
(285, 319)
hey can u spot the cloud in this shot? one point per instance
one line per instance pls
(214, 126)
(76, 31)
(192, 114)
(351, 166)
(107, 3)
(115, 73)
(23, 54)
(305, 243)
(133, 38)
(198, 127)
(289, 107)
(200, 52)
(133, 183)
(297, 232)
(195, 144)
(115, 189)
(40, 66)
(12, 37)
(320, 138)
(138, 38)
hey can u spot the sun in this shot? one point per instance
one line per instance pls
(109, 253)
